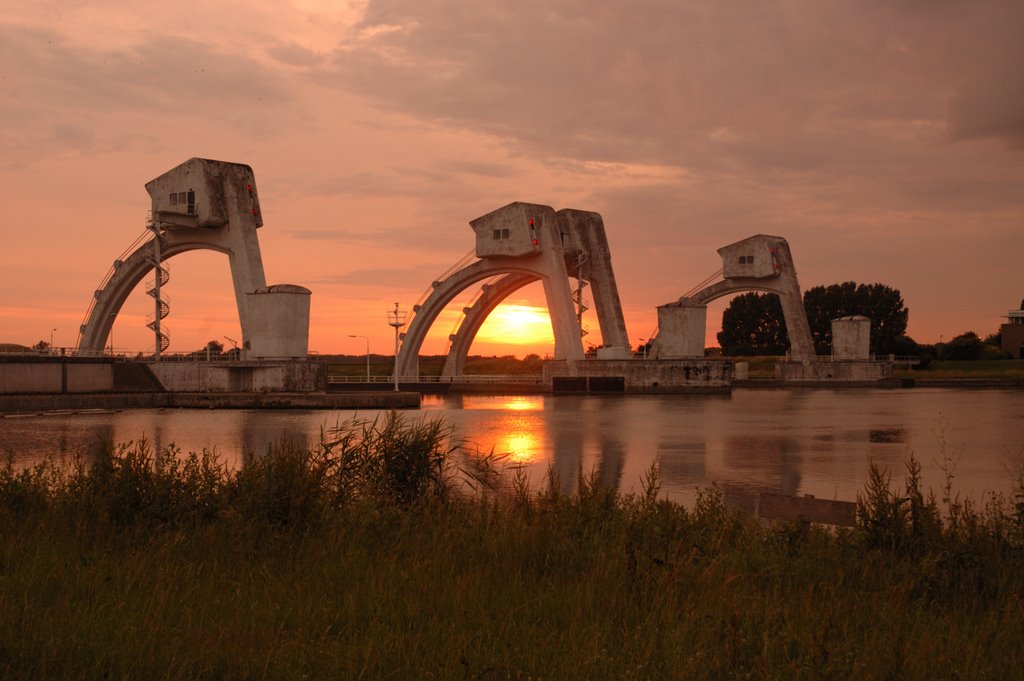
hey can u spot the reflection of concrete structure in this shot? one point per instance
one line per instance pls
(212, 205)
(851, 338)
(1012, 333)
(516, 245)
(758, 263)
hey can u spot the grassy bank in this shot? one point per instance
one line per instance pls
(988, 368)
(368, 558)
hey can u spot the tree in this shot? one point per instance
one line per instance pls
(882, 304)
(966, 346)
(41, 346)
(753, 324)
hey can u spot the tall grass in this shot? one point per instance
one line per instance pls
(368, 556)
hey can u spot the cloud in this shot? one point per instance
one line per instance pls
(718, 87)
(398, 278)
(65, 96)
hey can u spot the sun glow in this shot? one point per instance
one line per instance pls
(512, 324)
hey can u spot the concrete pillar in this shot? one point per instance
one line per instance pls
(681, 331)
(851, 338)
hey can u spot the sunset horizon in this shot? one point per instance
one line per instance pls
(886, 144)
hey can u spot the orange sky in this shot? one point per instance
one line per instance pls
(884, 140)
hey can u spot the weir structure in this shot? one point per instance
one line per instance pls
(758, 263)
(517, 245)
(205, 205)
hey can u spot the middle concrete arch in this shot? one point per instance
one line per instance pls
(567, 341)
(529, 242)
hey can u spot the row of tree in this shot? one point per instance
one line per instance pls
(753, 323)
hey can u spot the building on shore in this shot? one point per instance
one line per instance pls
(1012, 333)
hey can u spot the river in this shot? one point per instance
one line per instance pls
(795, 441)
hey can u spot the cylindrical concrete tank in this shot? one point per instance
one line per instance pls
(279, 322)
(851, 338)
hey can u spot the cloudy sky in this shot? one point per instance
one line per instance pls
(884, 139)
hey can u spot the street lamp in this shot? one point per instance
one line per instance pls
(367, 354)
(51, 340)
(112, 316)
(396, 318)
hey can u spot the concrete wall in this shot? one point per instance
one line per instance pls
(204, 181)
(508, 231)
(651, 375)
(90, 378)
(851, 338)
(46, 375)
(30, 378)
(681, 331)
(297, 376)
(279, 322)
(750, 258)
(851, 370)
(1012, 339)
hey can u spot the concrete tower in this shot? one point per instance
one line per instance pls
(210, 205)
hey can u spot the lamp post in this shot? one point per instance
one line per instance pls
(367, 354)
(396, 318)
(112, 316)
(234, 343)
(51, 340)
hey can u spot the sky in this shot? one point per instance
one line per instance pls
(884, 139)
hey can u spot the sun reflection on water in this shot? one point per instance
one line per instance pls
(505, 402)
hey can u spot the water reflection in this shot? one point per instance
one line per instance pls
(794, 442)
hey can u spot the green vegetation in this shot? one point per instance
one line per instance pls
(753, 323)
(991, 368)
(372, 556)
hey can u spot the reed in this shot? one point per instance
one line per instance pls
(369, 556)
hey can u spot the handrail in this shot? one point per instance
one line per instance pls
(468, 306)
(459, 264)
(139, 241)
(529, 379)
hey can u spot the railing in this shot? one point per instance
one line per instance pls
(525, 379)
(136, 245)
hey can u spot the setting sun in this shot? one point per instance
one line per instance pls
(516, 324)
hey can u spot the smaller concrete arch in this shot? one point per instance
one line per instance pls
(462, 340)
(758, 263)
(445, 291)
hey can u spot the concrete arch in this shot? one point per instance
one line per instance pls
(476, 315)
(770, 269)
(568, 345)
(130, 272)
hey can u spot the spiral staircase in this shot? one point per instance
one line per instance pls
(162, 308)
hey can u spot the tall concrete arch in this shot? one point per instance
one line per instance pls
(208, 205)
(758, 263)
(527, 242)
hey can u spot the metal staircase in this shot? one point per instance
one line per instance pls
(162, 303)
(162, 306)
(582, 281)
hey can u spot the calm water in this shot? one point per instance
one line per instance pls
(791, 441)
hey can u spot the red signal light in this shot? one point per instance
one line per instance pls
(535, 242)
(531, 222)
